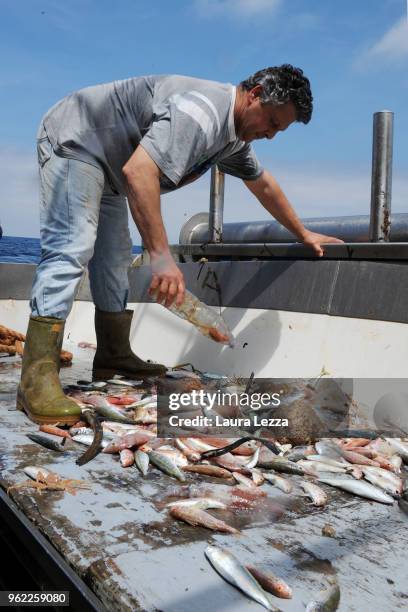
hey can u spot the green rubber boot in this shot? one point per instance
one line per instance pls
(40, 394)
(114, 354)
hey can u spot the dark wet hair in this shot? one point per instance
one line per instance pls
(281, 84)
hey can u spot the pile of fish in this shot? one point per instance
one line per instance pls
(259, 585)
(124, 423)
(220, 474)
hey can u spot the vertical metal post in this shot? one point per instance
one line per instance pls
(381, 177)
(216, 205)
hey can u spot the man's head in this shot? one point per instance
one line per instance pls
(270, 100)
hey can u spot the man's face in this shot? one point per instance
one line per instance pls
(264, 120)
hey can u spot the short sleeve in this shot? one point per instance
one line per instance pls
(242, 163)
(181, 135)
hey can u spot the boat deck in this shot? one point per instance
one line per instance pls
(120, 541)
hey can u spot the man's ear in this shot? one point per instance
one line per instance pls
(256, 91)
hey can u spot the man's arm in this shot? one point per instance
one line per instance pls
(267, 191)
(142, 177)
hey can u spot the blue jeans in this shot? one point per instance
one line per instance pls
(83, 223)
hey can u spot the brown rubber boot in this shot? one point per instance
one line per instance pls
(40, 394)
(114, 354)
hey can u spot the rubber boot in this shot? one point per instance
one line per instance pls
(114, 354)
(40, 394)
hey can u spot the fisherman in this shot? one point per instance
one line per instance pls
(124, 143)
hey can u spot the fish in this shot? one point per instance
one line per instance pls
(236, 574)
(326, 601)
(279, 464)
(55, 431)
(358, 487)
(176, 374)
(208, 470)
(301, 452)
(87, 385)
(329, 461)
(173, 453)
(388, 486)
(271, 583)
(316, 494)
(106, 409)
(46, 442)
(127, 457)
(204, 503)
(355, 442)
(87, 440)
(320, 466)
(198, 445)
(129, 440)
(256, 475)
(34, 471)
(199, 518)
(253, 460)
(166, 465)
(358, 459)
(396, 462)
(188, 452)
(282, 483)
(142, 461)
(126, 400)
(328, 448)
(149, 399)
(231, 462)
(244, 480)
(143, 414)
(400, 447)
(122, 382)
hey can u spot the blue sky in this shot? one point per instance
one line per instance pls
(355, 54)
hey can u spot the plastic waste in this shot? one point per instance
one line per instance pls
(206, 320)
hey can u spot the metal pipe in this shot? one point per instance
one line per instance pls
(348, 228)
(353, 250)
(216, 204)
(381, 178)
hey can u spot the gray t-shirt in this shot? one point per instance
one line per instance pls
(186, 125)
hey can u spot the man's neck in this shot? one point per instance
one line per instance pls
(240, 105)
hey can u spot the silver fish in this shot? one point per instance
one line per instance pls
(166, 465)
(282, 483)
(205, 503)
(122, 382)
(326, 601)
(236, 574)
(328, 448)
(142, 461)
(106, 409)
(87, 440)
(33, 471)
(393, 487)
(316, 494)
(181, 374)
(320, 466)
(399, 447)
(253, 460)
(358, 487)
(396, 462)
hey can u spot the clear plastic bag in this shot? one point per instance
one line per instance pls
(207, 321)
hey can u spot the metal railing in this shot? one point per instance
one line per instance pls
(375, 227)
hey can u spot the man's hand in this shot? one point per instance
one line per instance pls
(315, 241)
(167, 280)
